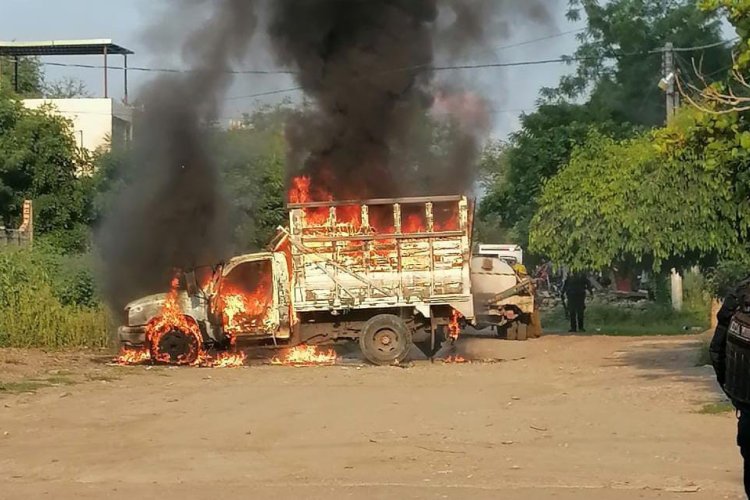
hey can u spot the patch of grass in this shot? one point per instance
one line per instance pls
(101, 377)
(653, 319)
(58, 380)
(716, 408)
(704, 357)
(33, 314)
(23, 386)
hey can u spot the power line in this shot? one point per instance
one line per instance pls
(703, 47)
(262, 94)
(168, 70)
(425, 66)
(541, 39)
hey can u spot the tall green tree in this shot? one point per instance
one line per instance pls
(251, 160)
(39, 161)
(618, 62)
(535, 154)
(30, 76)
(675, 196)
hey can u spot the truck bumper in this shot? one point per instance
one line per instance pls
(132, 335)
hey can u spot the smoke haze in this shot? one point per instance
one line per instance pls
(172, 214)
(365, 66)
(372, 94)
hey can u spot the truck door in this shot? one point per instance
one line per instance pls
(247, 300)
(283, 293)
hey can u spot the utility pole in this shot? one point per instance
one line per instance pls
(673, 104)
(670, 78)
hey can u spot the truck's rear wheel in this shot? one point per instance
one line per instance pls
(385, 339)
(175, 347)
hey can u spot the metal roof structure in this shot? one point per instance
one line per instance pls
(62, 48)
(96, 47)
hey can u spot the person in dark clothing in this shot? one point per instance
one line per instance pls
(574, 290)
(730, 357)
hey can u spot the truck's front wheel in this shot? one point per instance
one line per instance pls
(175, 347)
(385, 339)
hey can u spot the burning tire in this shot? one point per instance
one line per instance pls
(385, 340)
(175, 347)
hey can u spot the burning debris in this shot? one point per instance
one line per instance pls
(454, 327)
(132, 356)
(306, 355)
(174, 338)
(455, 359)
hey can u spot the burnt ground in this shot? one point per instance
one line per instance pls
(560, 417)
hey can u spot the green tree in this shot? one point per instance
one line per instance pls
(30, 76)
(618, 60)
(251, 160)
(533, 155)
(675, 196)
(66, 87)
(38, 161)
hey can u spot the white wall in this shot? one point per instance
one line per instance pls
(92, 118)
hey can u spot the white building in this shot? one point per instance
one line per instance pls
(96, 122)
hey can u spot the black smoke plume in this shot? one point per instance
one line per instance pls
(172, 213)
(365, 65)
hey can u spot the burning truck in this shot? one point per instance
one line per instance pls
(388, 273)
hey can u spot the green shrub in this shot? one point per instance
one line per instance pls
(724, 277)
(49, 301)
(650, 319)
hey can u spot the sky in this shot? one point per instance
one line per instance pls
(509, 91)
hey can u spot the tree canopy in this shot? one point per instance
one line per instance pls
(612, 90)
(39, 160)
(625, 201)
(619, 59)
(30, 76)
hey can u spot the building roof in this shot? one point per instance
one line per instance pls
(62, 48)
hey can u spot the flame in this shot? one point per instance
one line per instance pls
(304, 355)
(226, 360)
(171, 318)
(455, 359)
(243, 310)
(130, 356)
(454, 329)
(347, 219)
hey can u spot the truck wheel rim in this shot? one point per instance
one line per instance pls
(386, 341)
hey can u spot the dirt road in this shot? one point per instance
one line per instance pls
(561, 417)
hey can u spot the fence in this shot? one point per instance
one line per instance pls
(24, 235)
(15, 237)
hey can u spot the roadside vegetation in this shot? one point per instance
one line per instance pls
(593, 180)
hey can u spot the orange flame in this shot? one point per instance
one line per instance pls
(243, 311)
(130, 356)
(304, 355)
(454, 329)
(226, 360)
(171, 318)
(455, 359)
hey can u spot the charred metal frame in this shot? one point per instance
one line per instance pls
(377, 201)
(399, 293)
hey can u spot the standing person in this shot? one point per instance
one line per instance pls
(730, 357)
(574, 290)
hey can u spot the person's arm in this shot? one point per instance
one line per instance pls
(718, 347)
